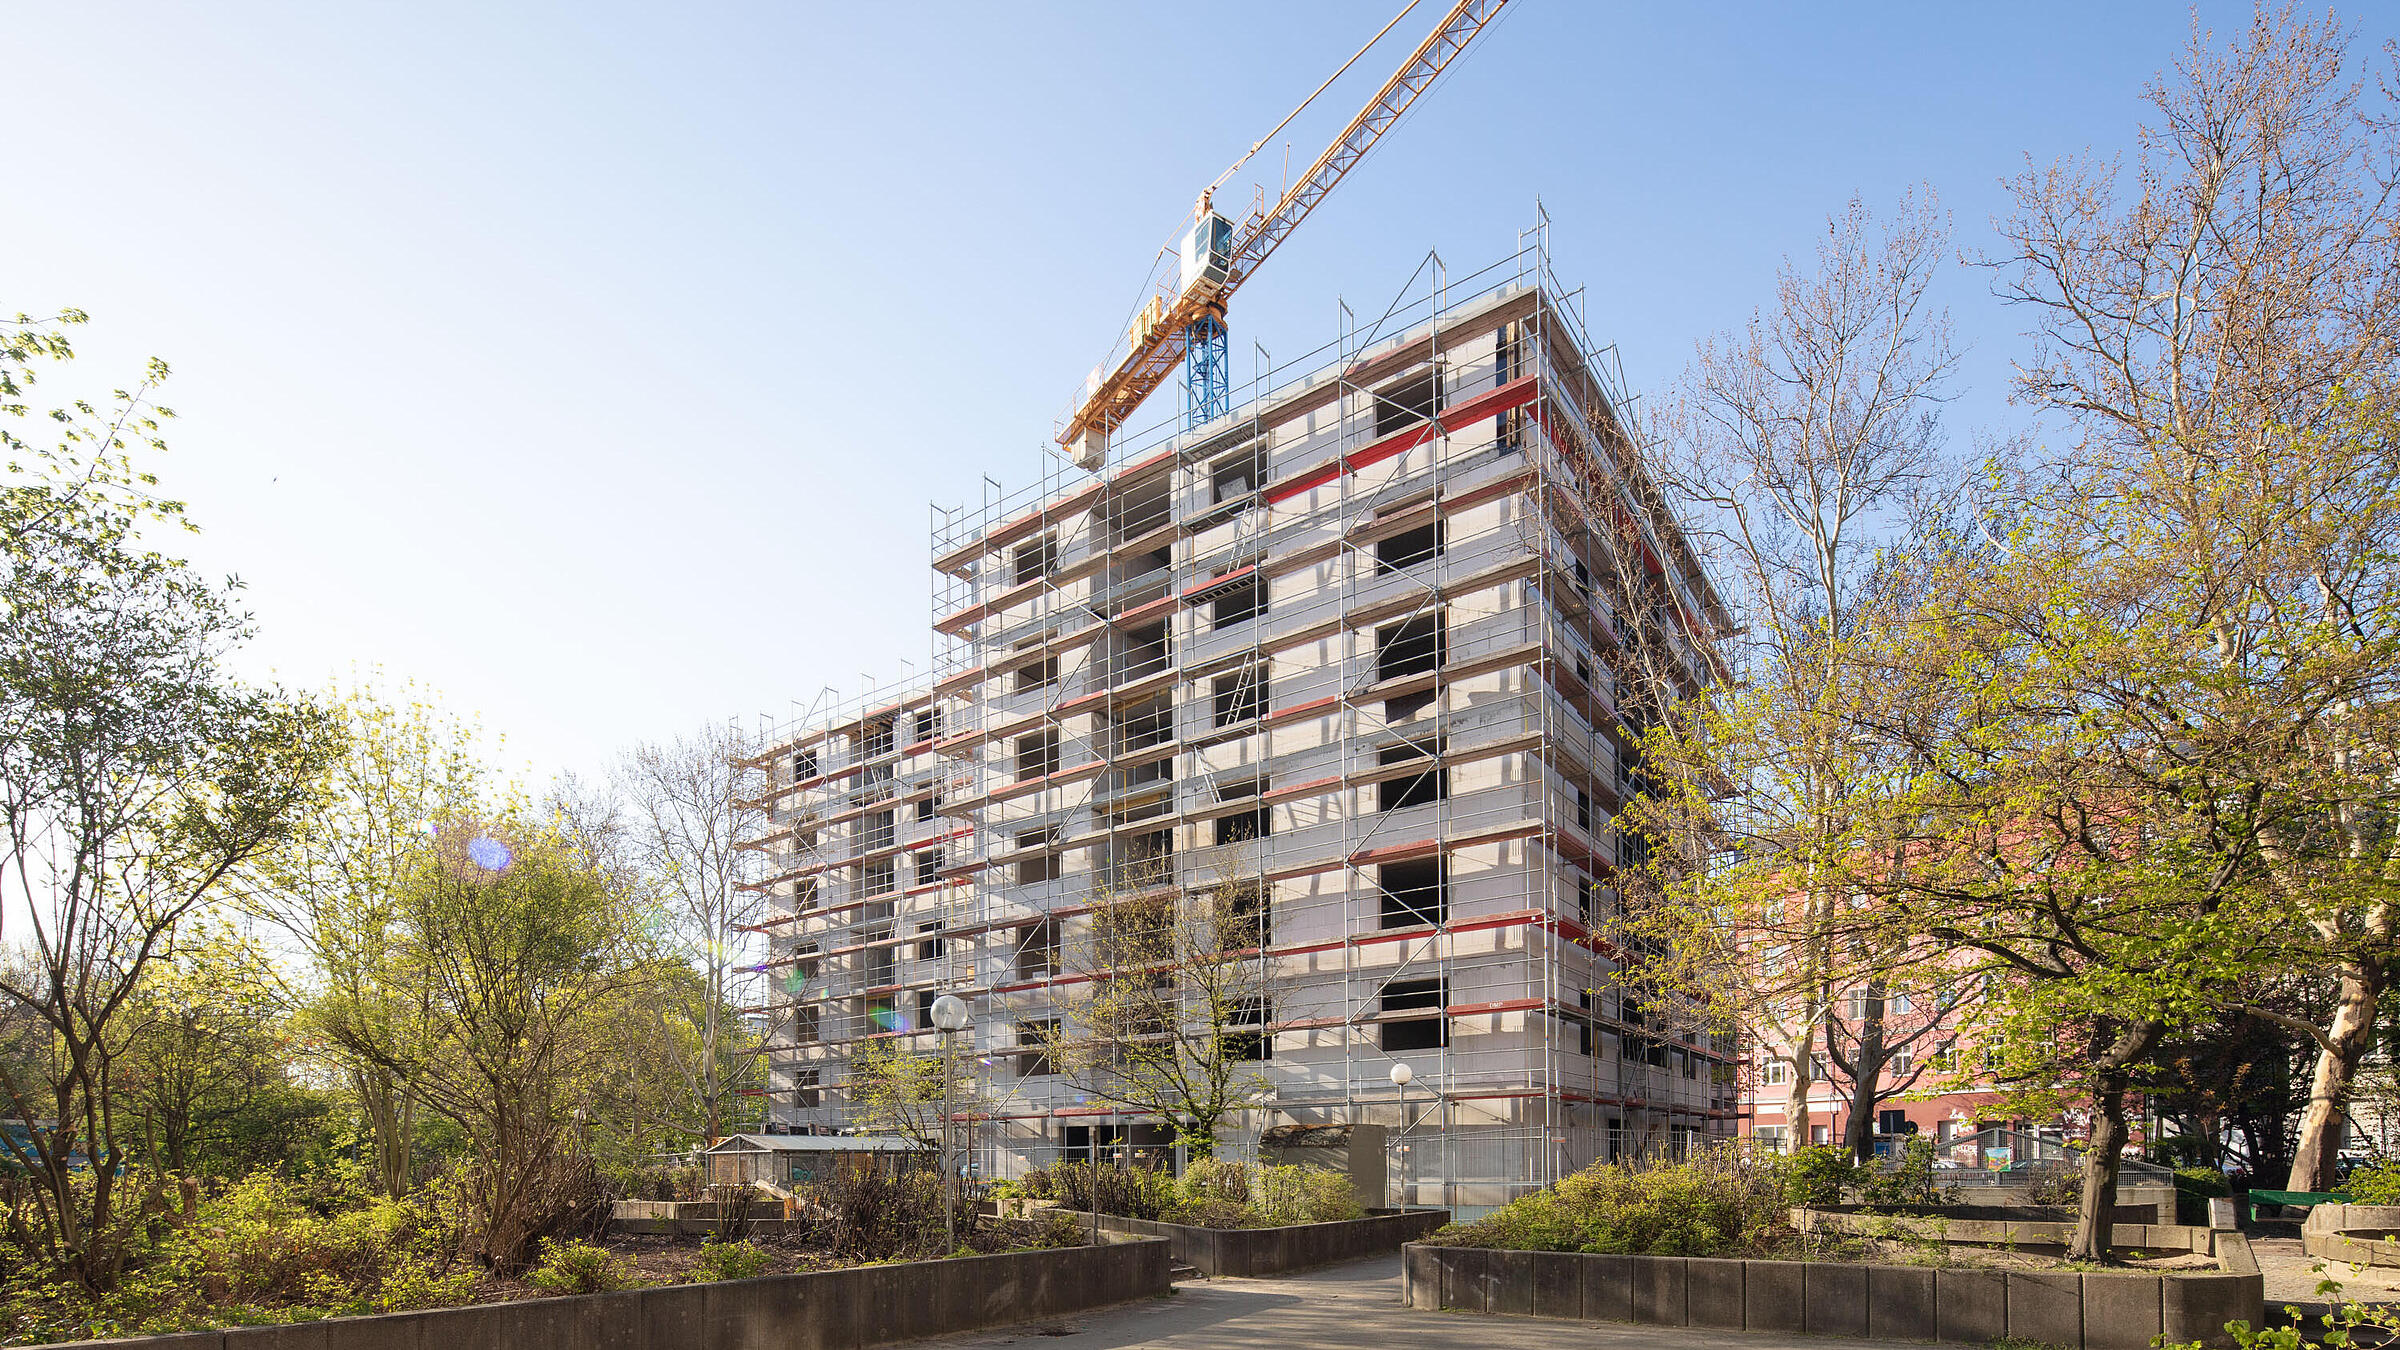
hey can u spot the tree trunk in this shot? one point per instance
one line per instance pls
(2325, 1120)
(2110, 1080)
(1795, 1102)
(2095, 1217)
(1866, 1078)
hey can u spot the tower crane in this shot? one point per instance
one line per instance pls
(1183, 322)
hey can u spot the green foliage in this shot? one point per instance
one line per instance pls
(265, 1249)
(1906, 1179)
(2377, 1185)
(580, 1268)
(1722, 1203)
(1304, 1195)
(1212, 1193)
(1817, 1176)
(730, 1261)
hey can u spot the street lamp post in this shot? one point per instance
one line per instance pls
(949, 1015)
(1402, 1076)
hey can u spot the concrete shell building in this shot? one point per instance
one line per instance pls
(1374, 646)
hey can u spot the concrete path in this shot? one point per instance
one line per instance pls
(1344, 1307)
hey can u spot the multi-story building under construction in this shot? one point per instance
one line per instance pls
(1376, 645)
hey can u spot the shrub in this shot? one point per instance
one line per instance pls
(2377, 1185)
(2194, 1188)
(1720, 1203)
(1305, 1195)
(577, 1268)
(1818, 1176)
(730, 1261)
(1903, 1179)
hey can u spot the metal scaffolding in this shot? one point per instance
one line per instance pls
(1354, 642)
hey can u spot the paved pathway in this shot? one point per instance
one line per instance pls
(1342, 1307)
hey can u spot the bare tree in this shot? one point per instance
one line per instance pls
(2229, 298)
(1176, 1005)
(1796, 449)
(684, 819)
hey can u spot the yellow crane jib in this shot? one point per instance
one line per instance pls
(1217, 256)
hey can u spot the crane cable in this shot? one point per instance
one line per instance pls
(1261, 142)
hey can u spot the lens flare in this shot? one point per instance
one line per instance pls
(488, 853)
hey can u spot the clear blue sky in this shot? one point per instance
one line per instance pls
(596, 363)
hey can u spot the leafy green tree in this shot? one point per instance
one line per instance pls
(2217, 329)
(209, 1069)
(522, 948)
(135, 776)
(334, 886)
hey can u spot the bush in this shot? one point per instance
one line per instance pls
(269, 1248)
(1903, 1179)
(1305, 1195)
(2377, 1185)
(1721, 1203)
(2194, 1188)
(577, 1268)
(730, 1261)
(1821, 1175)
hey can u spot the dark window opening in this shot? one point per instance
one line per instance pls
(805, 1090)
(929, 941)
(1033, 1039)
(880, 878)
(1036, 674)
(925, 807)
(1144, 725)
(1238, 475)
(1508, 431)
(1042, 866)
(1148, 859)
(1416, 1033)
(1240, 827)
(929, 725)
(1037, 950)
(878, 740)
(1037, 754)
(1253, 911)
(1245, 599)
(1409, 547)
(1252, 1045)
(881, 967)
(929, 866)
(1406, 403)
(1508, 352)
(1036, 559)
(875, 831)
(1583, 809)
(1410, 646)
(804, 766)
(1429, 784)
(1415, 892)
(1241, 695)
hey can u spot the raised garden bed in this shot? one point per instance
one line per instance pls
(1947, 1225)
(2100, 1310)
(822, 1310)
(2363, 1235)
(1276, 1250)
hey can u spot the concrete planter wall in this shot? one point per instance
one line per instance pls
(1273, 1251)
(1827, 1298)
(2151, 1237)
(2359, 1234)
(822, 1310)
